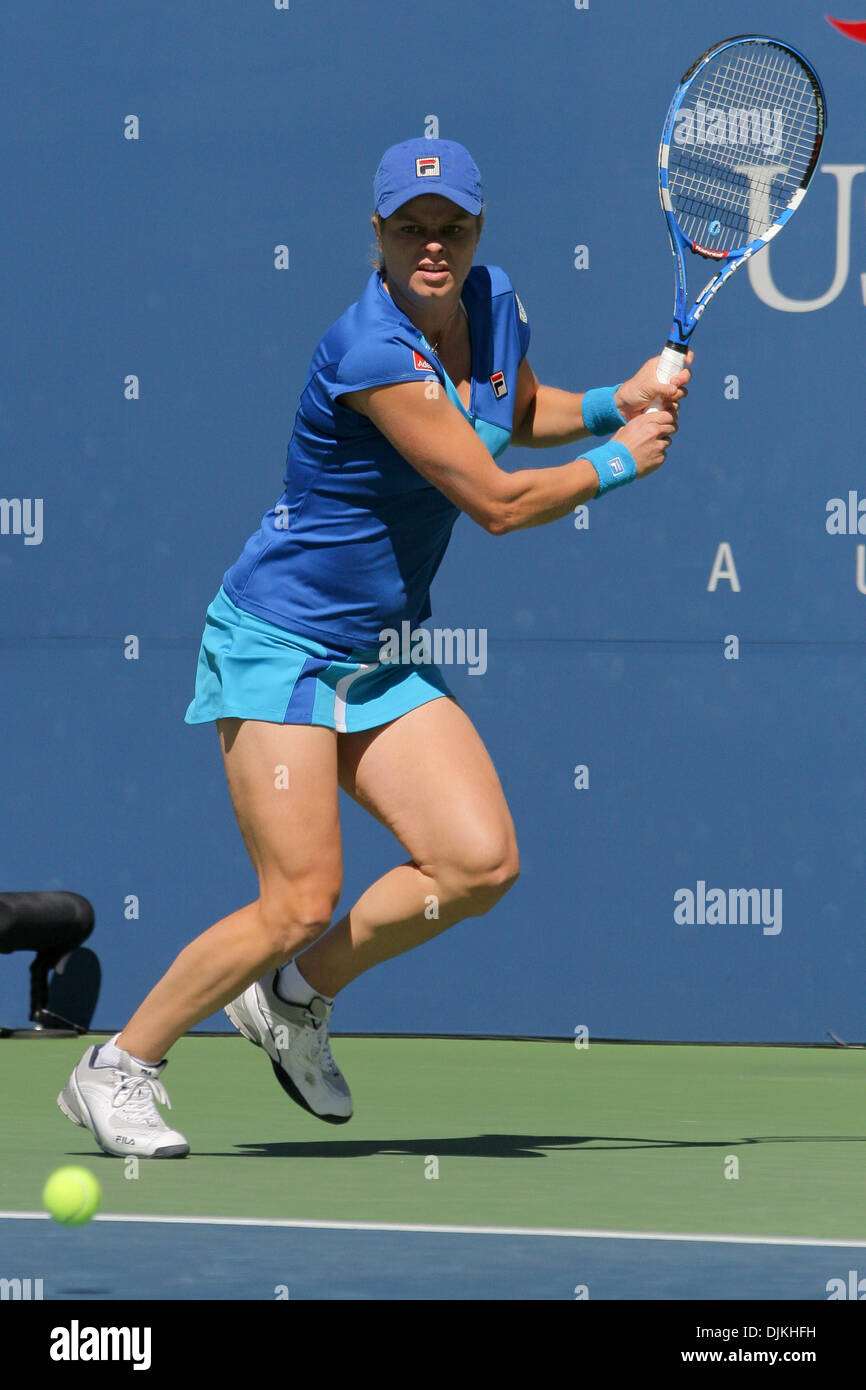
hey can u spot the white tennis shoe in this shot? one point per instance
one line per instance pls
(117, 1104)
(295, 1037)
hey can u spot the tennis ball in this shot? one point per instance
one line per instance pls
(71, 1195)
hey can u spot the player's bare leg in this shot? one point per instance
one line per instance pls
(451, 816)
(290, 825)
(430, 780)
(283, 781)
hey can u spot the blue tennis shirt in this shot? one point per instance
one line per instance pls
(354, 542)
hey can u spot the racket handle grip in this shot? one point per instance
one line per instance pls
(670, 362)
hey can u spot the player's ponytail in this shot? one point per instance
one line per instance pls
(377, 260)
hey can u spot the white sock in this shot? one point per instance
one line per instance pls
(293, 988)
(109, 1055)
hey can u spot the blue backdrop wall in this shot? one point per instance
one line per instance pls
(155, 159)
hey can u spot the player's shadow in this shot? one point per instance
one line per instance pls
(507, 1145)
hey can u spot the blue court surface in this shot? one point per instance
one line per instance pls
(179, 1259)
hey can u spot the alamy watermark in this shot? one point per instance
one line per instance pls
(20, 1289)
(22, 516)
(853, 1287)
(712, 125)
(703, 906)
(77, 1343)
(444, 646)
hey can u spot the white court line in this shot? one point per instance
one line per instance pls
(444, 1230)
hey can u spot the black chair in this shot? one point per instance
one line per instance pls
(53, 924)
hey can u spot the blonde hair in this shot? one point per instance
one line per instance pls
(377, 260)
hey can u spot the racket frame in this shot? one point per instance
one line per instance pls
(684, 321)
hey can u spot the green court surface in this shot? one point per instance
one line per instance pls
(616, 1137)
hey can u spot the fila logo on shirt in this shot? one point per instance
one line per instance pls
(427, 167)
(497, 381)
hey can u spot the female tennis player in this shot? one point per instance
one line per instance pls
(411, 397)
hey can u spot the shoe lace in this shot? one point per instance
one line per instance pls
(319, 1044)
(135, 1095)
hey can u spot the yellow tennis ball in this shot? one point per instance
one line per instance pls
(71, 1195)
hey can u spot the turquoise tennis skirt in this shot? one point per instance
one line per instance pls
(252, 669)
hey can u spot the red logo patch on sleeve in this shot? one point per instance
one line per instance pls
(421, 363)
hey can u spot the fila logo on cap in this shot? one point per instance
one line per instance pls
(616, 466)
(421, 363)
(497, 381)
(427, 166)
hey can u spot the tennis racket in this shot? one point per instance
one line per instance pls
(740, 144)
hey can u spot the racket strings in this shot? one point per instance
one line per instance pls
(782, 88)
(719, 179)
(758, 106)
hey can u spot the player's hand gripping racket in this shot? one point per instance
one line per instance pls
(740, 144)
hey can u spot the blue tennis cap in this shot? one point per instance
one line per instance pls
(427, 166)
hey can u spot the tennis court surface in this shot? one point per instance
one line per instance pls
(472, 1169)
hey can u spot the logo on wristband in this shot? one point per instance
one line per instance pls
(617, 467)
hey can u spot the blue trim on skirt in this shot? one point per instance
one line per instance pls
(251, 669)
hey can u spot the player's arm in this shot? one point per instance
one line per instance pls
(544, 416)
(434, 437)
